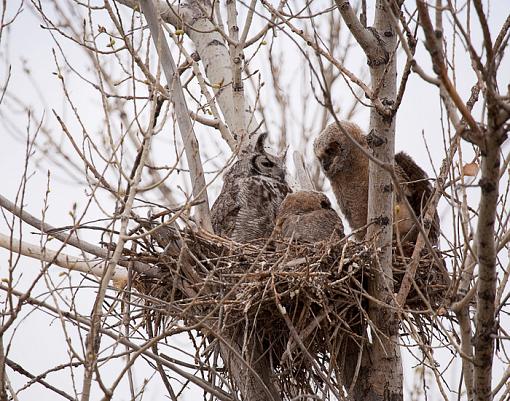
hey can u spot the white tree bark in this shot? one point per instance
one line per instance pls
(210, 45)
(381, 376)
(237, 62)
(191, 147)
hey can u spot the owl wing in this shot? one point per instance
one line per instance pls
(225, 209)
(418, 191)
(258, 200)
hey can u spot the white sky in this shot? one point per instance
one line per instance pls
(38, 342)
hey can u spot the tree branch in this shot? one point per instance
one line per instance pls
(18, 368)
(191, 146)
(237, 62)
(368, 39)
(58, 258)
(436, 54)
(72, 239)
(93, 338)
(310, 42)
(487, 278)
(210, 46)
(434, 199)
(380, 376)
(167, 362)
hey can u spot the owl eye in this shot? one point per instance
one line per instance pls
(333, 149)
(266, 163)
(325, 204)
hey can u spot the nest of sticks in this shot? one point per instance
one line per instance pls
(300, 302)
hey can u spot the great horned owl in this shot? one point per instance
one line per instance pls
(346, 167)
(253, 189)
(307, 216)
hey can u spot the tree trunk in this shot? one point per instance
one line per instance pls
(380, 376)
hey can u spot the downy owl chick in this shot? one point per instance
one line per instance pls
(346, 166)
(253, 189)
(307, 217)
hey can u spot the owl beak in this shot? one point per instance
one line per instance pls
(326, 163)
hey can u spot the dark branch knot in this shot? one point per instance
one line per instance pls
(504, 135)
(484, 335)
(374, 140)
(486, 185)
(389, 111)
(427, 224)
(345, 5)
(382, 221)
(215, 43)
(381, 56)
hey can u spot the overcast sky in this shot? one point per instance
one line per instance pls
(39, 341)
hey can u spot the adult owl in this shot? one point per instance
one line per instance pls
(307, 217)
(253, 189)
(346, 166)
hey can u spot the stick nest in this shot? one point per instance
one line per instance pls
(300, 302)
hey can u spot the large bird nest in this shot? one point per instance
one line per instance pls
(301, 302)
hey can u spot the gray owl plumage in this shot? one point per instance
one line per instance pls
(307, 217)
(253, 189)
(346, 166)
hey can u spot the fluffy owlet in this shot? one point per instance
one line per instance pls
(307, 217)
(347, 168)
(253, 189)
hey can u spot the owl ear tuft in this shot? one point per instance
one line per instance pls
(283, 156)
(259, 145)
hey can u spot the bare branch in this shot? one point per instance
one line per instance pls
(192, 17)
(438, 61)
(368, 39)
(72, 238)
(185, 127)
(59, 258)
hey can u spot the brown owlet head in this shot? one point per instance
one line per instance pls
(302, 202)
(307, 217)
(335, 150)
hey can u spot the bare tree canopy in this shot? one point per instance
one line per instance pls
(148, 244)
